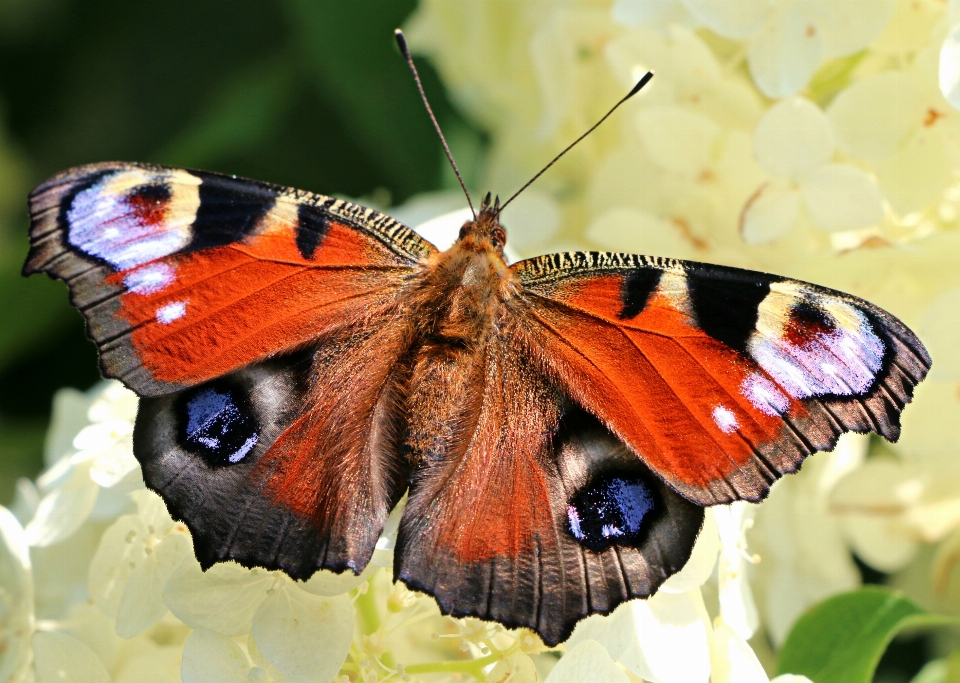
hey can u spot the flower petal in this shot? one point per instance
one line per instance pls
(587, 662)
(636, 230)
(949, 76)
(114, 562)
(519, 668)
(915, 177)
(141, 605)
(732, 659)
(677, 139)
(667, 638)
(841, 197)
(702, 560)
(326, 583)
(16, 597)
(648, 13)
(737, 607)
(771, 213)
(210, 656)
(869, 502)
(940, 330)
(532, 219)
(874, 117)
(223, 599)
(848, 26)
(59, 657)
(302, 634)
(784, 55)
(63, 510)
(731, 19)
(793, 138)
(69, 416)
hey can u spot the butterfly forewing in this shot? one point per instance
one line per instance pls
(184, 276)
(720, 379)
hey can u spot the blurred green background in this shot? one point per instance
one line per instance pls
(307, 93)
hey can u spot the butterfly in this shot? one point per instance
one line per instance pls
(558, 424)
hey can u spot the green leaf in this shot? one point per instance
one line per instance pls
(842, 639)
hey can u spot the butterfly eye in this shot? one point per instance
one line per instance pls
(218, 425)
(611, 510)
(498, 236)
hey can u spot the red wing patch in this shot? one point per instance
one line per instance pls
(184, 276)
(721, 380)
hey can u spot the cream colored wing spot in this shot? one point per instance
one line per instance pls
(673, 287)
(133, 216)
(280, 219)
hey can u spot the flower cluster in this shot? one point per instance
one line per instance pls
(815, 139)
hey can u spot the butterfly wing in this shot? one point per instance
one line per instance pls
(184, 276)
(514, 494)
(263, 329)
(720, 379)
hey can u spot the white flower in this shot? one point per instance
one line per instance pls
(794, 144)
(16, 599)
(804, 556)
(786, 41)
(586, 662)
(900, 123)
(136, 557)
(737, 608)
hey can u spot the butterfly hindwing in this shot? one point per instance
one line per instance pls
(523, 508)
(289, 463)
(720, 379)
(184, 276)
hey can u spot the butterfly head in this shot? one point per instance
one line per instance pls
(485, 229)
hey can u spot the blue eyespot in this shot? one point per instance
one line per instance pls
(218, 427)
(610, 511)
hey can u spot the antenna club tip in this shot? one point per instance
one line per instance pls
(642, 82)
(401, 39)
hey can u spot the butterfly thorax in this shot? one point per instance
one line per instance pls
(463, 286)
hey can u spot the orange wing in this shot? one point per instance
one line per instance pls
(184, 276)
(720, 379)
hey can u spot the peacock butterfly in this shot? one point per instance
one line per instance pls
(559, 423)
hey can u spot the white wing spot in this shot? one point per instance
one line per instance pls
(764, 395)
(149, 279)
(172, 311)
(725, 419)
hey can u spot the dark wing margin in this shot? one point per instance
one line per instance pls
(720, 379)
(172, 268)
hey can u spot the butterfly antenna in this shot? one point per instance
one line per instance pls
(639, 86)
(402, 43)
